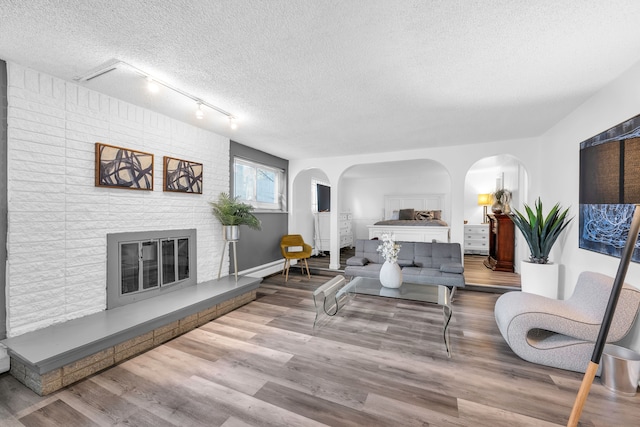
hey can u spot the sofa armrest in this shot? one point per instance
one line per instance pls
(357, 260)
(453, 267)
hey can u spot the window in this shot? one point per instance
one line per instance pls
(261, 186)
(143, 264)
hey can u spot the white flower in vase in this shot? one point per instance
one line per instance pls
(389, 248)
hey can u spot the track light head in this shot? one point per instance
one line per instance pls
(199, 112)
(152, 85)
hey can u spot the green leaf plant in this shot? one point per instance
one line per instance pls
(229, 211)
(539, 231)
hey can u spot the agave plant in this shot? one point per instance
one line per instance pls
(229, 211)
(539, 231)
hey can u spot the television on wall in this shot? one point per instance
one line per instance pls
(324, 198)
(609, 188)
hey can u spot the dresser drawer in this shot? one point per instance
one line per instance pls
(480, 244)
(346, 240)
(472, 236)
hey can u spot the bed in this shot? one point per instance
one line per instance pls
(413, 218)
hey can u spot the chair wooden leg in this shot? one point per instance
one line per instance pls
(286, 277)
(307, 265)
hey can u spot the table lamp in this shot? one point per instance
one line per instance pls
(484, 200)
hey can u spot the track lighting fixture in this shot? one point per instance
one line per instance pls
(153, 85)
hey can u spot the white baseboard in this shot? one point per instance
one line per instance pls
(265, 269)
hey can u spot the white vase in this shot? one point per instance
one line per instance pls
(541, 279)
(391, 275)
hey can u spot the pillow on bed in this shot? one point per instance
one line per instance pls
(436, 214)
(395, 215)
(424, 215)
(406, 214)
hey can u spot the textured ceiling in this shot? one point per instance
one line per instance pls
(311, 78)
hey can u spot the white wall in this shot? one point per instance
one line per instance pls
(560, 148)
(302, 219)
(58, 219)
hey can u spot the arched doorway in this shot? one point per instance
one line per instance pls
(486, 176)
(363, 187)
(304, 202)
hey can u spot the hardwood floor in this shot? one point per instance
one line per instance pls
(475, 273)
(379, 362)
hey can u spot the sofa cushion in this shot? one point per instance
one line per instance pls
(405, 255)
(357, 260)
(422, 256)
(369, 270)
(445, 253)
(431, 276)
(453, 267)
(370, 251)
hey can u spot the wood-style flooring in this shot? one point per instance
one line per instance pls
(379, 362)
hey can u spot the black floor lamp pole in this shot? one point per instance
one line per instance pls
(618, 282)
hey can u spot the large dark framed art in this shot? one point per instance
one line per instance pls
(118, 167)
(609, 188)
(182, 176)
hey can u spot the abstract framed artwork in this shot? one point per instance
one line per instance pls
(182, 176)
(609, 188)
(118, 167)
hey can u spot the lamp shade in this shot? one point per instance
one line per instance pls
(484, 199)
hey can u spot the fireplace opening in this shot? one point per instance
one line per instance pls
(142, 265)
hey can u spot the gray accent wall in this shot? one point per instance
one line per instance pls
(3, 198)
(255, 247)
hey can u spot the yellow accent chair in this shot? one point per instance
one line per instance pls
(293, 246)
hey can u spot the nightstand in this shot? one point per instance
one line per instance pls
(476, 239)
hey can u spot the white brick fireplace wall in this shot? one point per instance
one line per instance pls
(58, 219)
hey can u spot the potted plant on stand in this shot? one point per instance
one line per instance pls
(232, 214)
(538, 275)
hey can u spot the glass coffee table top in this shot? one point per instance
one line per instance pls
(434, 294)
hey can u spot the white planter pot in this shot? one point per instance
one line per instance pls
(391, 275)
(541, 279)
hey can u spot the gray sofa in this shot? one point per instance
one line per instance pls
(421, 262)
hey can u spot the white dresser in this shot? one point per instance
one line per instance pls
(476, 239)
(322, 231)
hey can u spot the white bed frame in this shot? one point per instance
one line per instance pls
(419, 202)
